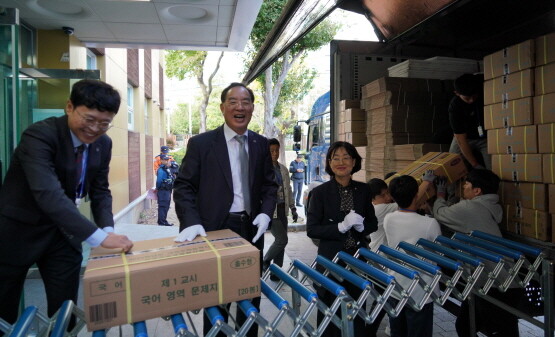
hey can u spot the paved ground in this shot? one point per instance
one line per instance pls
(299, 247)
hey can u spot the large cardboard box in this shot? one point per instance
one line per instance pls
(518, 167)
(549, 168)
(551, 198)
(405, 98)
(161, 277)
(545, 49)
(444, 164)
(355, 126)
(526, 195)
(356, 138)
(348, 104)
(396, 138)
(407, 118)
(512, 113)
(544, 109)
(509, 60)
(353, 115)
(400, 83)
(546, 138)
(508, 87)
(545, 79)
(528, 222)
(517, 139)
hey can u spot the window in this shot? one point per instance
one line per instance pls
(130, 109)
(91, 60)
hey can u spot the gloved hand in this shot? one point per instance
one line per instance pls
(350, 220)
(262, 221)
(441, 187)
(428, 176)
(294, 214)
(190, 233)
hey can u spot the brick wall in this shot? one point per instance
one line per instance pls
(134, 164)
(148, 73)
(148, 161)
(133, 67)
(161, 85)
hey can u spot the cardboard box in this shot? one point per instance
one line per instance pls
(509, 60)
(407, 118)
(512, 113)
(528, 222)
(508, 87)
(354, 115)
(517, 139)
(544, 109)
(356, 138)
(161, 277)
(348, 104)
(340, 128)
(546, 138)
(551, 198)
(545, 79)
(405, 98)
(549, 168)
(518, 167)
(400, 83)
(444, 164)
(526, 195)
(390, 138)
(361, 151)
(545, 49)
(355, 126)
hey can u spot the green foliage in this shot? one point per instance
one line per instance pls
(178, 155)
(298, 83)
(183, 64)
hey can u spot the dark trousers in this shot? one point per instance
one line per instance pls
(59, 265)
(243, 226)
(297, 190)
(279, 230)
(411, 323)
(490, 319)
(164, 199)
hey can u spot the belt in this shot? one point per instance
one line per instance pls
(243, 216)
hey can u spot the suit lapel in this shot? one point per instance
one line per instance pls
(93, 160)
(219, 146)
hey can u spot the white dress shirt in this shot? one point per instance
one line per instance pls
(233, 147)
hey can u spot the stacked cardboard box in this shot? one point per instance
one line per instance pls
(352, 123)
(401, 111)
(438, 67)
(361, 175)
(519, 113)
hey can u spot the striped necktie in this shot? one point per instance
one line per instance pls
(244, 160)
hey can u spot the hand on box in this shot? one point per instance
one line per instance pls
(262, 221)
(428, 176)
(117, 241)
(441, 187)
(190, 233)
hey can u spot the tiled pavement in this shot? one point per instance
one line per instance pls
(299, 247)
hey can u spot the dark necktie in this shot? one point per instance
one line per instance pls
(79, 163)
(244, 160)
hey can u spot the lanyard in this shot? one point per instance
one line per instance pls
(80, 189)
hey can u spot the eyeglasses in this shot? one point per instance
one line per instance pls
(92, 122)
(337, 160)
(235, 103)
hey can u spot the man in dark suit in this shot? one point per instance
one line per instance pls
(57, 163)
(220, 186)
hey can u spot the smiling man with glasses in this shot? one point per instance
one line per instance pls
(58, 162)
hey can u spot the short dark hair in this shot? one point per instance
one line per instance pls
(376, 187)
(95, 94)
(233, 85)
(403, 189)
(351, 150)
(484, 179)
(273, 141)
(469, 84)
(388, 175)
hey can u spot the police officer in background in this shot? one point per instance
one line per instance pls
(164, 185)
(164, 150)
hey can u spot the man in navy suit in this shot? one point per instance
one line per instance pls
(57, 163)
(213, 190)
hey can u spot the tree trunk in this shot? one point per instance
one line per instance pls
(206, 90)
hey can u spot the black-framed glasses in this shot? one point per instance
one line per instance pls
(92, 122)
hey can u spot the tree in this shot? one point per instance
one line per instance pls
(280, 90)
(183, 64)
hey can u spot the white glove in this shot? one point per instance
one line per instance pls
(351, 220)
(190, 233)
(262, 221)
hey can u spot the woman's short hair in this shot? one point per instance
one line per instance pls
(351, 150)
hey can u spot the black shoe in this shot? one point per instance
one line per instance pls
(300, 205)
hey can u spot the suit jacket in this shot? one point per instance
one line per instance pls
(40, 185)
(287, 193)
(324, 214)
(203, 190)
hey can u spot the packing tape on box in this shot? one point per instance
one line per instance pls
(542, 81)
(541, 109)
(219, 263)
(128, 288)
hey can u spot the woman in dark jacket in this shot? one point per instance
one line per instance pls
(341, 216)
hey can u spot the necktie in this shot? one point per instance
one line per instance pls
(79, 163)
(244, 160)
